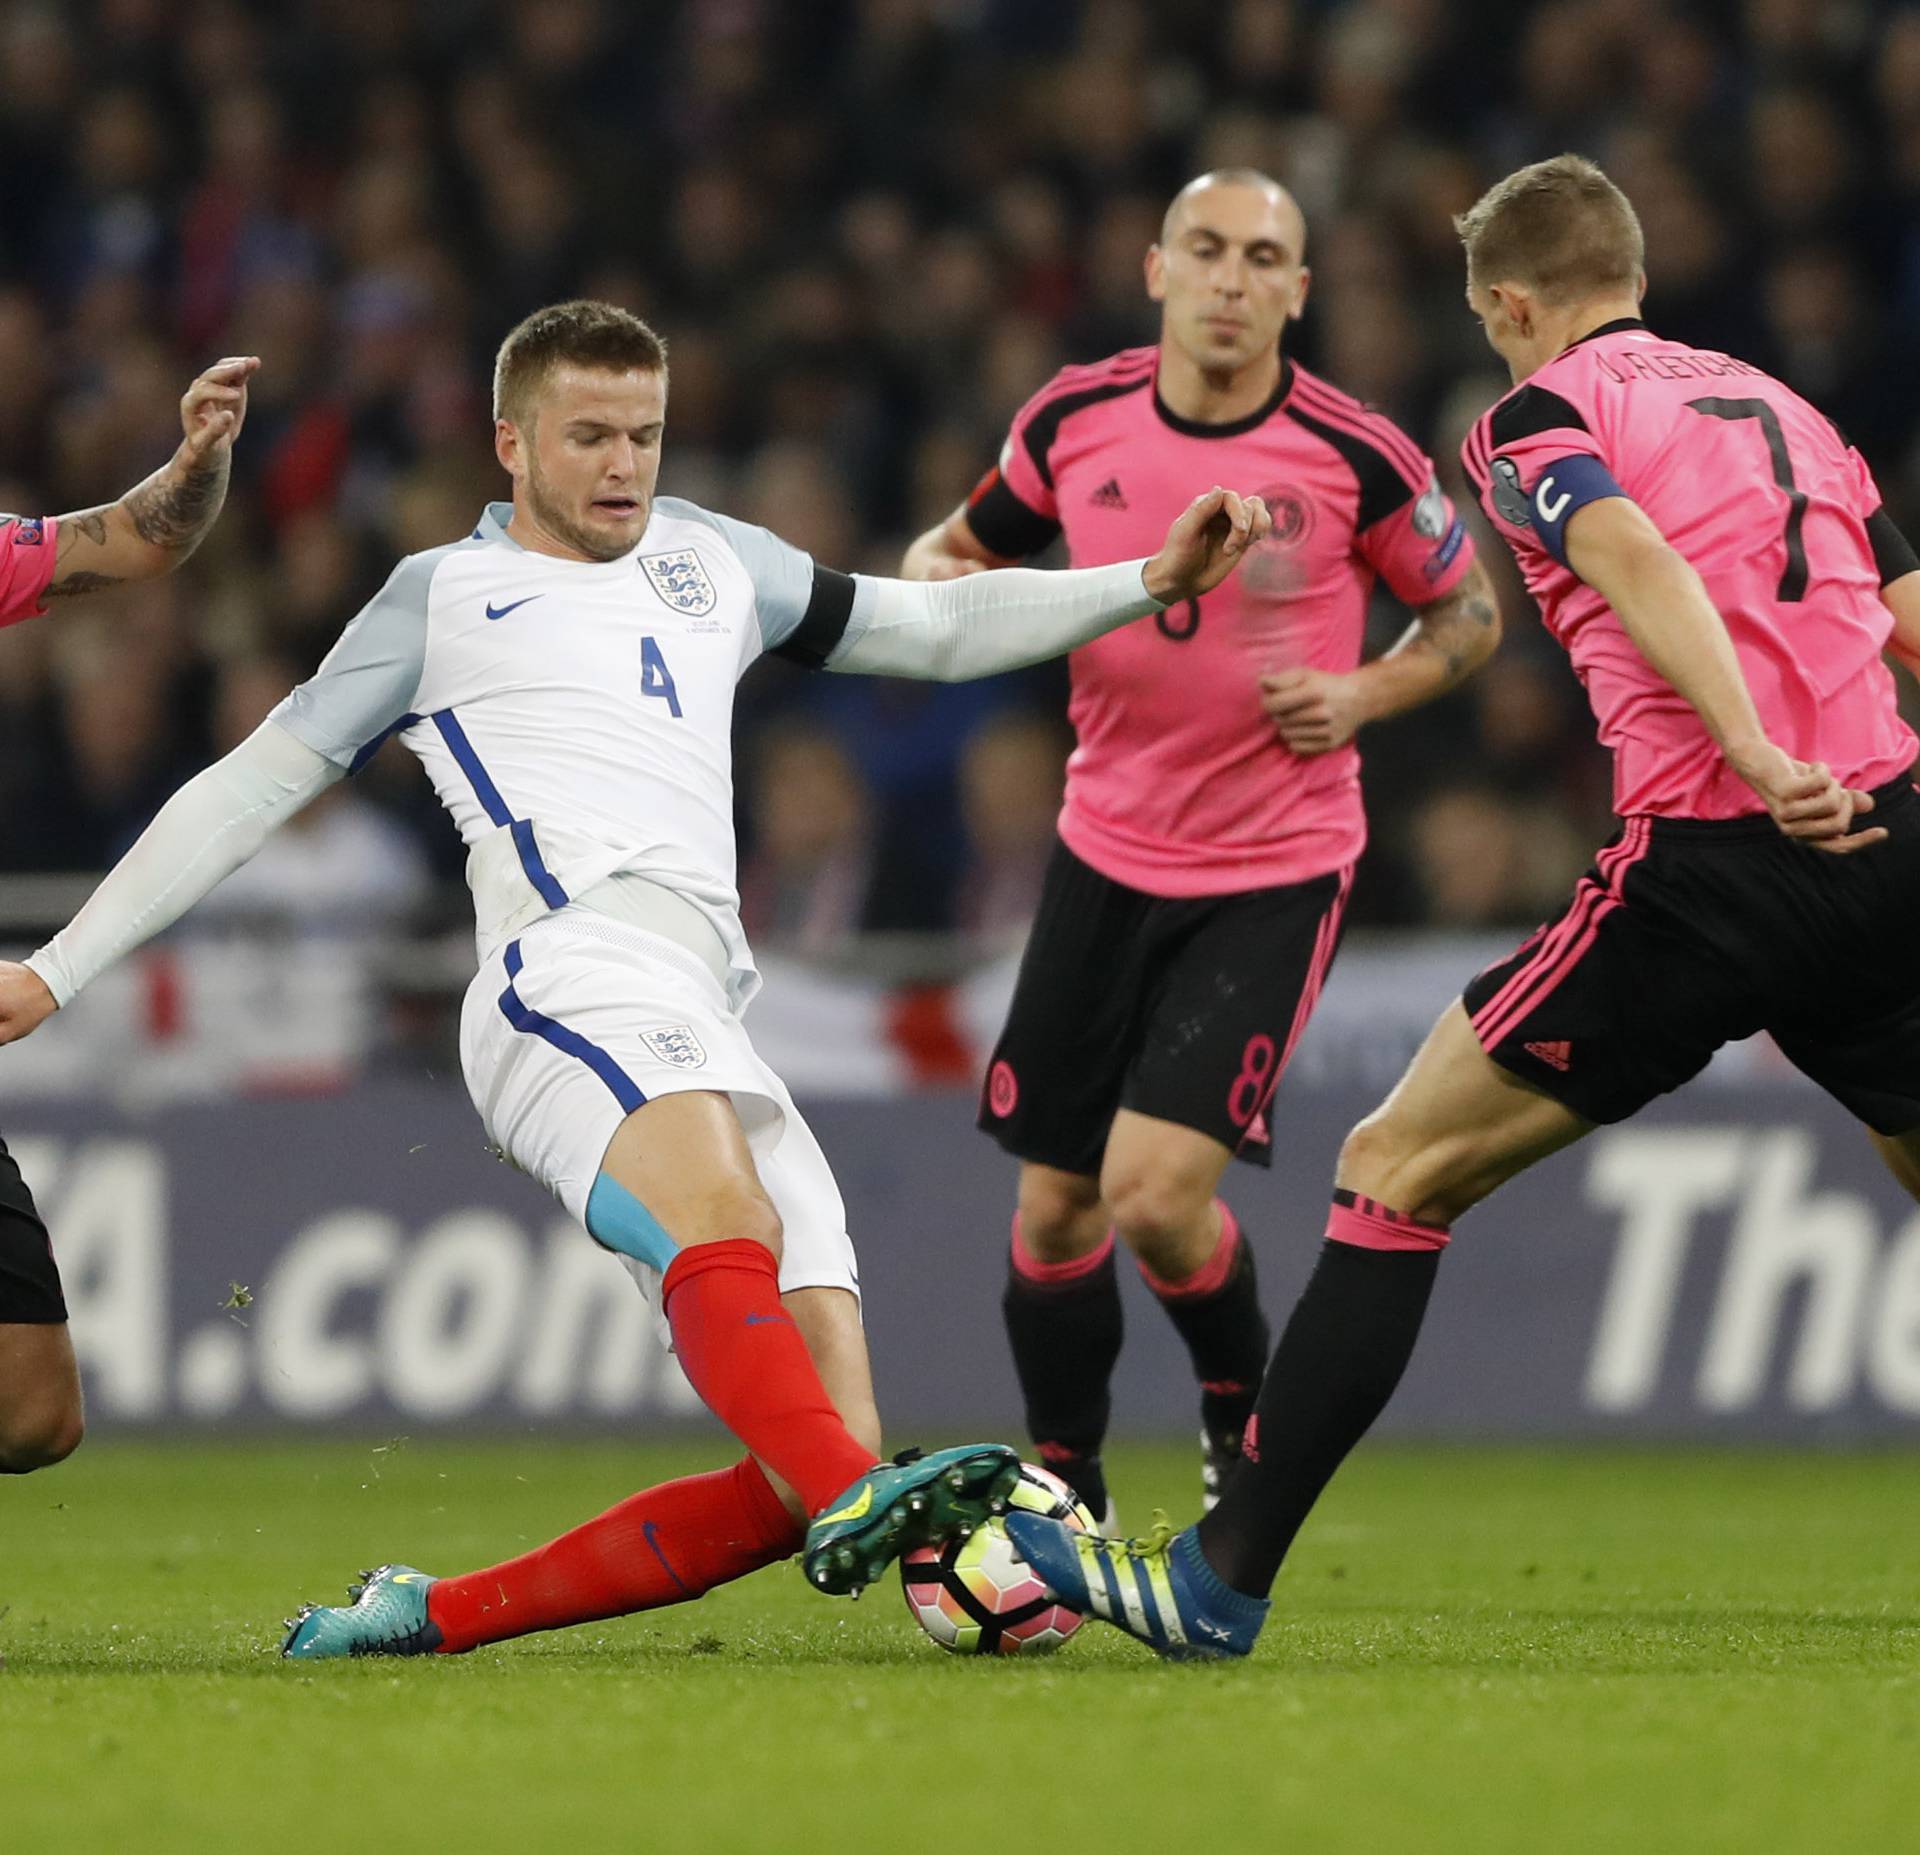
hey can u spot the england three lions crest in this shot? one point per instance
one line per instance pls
(681, 581)
(676, 1045)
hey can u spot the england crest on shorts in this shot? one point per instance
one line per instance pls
(681, 581)
(676, 1044)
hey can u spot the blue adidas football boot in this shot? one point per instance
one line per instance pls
(387, 1616)
(914, 1500)
(1159, 1589)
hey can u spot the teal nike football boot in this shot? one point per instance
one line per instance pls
(387, 1616)
(1160, 1589)
(914, 1500)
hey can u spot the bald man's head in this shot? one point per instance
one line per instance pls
(1230, 269)
(1188, 201)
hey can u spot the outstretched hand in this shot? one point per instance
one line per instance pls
(25, 1001)
(1207, 541)
(1805, 800)
(214, 407)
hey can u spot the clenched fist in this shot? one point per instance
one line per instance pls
(1313, 711)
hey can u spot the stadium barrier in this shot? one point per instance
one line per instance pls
(1734, 1264)
(212, 1015)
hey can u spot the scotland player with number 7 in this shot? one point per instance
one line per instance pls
(1715, 558)
(565, 674)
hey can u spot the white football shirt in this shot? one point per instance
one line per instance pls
(576, 717)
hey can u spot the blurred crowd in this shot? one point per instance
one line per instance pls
(868, 229)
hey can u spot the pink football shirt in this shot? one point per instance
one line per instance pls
(1178, 785)
(1770, 505)
(26, 564)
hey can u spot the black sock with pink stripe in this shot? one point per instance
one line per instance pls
(1345, 1346)
(1065, 1325)
(1216, 1310)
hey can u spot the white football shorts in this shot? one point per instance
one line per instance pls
(569, 1028)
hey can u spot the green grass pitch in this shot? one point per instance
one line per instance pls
(1482, 1650)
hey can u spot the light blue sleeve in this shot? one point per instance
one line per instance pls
(782, 574)
(365, 687)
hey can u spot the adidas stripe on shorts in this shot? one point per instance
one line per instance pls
(1687, 934)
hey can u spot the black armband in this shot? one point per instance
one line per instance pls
(1893, 553)
(1003, 524)
(823, 624)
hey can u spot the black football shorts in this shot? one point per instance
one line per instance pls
(29, 1281)
(1688, 934)
(1184, 1008)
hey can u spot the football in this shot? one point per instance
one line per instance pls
(974, 1597)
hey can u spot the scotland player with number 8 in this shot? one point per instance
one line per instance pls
(1213, 814)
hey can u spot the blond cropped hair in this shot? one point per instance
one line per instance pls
(1561, 228)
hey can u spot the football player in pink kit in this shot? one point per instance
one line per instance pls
(1715, 558)
(148, 532)
(1213, 814)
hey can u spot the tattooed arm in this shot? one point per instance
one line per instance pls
(1315, 711)
(158, 523)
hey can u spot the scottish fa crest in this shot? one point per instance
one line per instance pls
(681, 581)
(676, 1045)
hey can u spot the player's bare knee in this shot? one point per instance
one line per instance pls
(1371, 1151)
(1421, 1177)
(1066, 1239)
(761, 1223)
(742, 1211)
(40, 1438)
(1158, 1218)
(1061, 1215)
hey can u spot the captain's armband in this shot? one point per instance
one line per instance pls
(1560, 490)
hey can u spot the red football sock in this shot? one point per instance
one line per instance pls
(742, 1353)
(662, 1546)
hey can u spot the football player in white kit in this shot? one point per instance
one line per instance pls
(566, 674)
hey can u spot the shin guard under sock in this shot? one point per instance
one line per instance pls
(1216, 1311)
(1065, 1326)
(1345, 1346)
(742, 1353)
(663, 1546)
